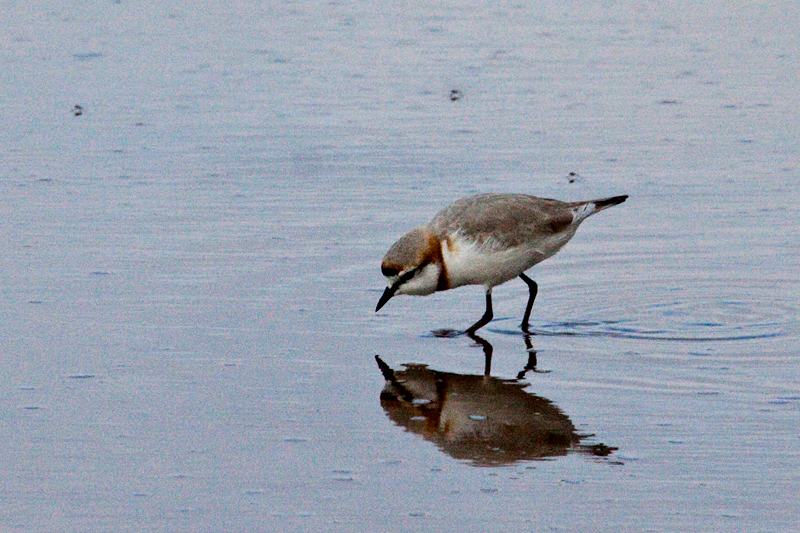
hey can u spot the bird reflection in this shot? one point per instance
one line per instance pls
(488, 350)
(485, 420)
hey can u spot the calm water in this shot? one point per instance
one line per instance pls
(191, 267)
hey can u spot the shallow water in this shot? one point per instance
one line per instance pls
(192, 265)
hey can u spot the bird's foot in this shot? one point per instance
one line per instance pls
(447, 333)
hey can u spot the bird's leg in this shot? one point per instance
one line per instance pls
(487, 315)
(533, 288)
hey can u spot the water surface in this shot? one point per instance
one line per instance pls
(192, 263)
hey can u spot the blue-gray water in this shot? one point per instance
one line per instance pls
(191, 266)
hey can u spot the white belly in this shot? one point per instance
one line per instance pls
(467, 263)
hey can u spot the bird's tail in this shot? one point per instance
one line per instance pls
(599, 205)
(585, 209)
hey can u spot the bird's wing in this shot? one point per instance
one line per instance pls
(505, 220)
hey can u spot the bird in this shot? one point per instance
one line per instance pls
(485, 239)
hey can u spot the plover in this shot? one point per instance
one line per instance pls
(486, 239)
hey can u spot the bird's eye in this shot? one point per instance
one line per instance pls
(389, 272)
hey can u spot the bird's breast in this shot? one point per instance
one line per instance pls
(469, 262)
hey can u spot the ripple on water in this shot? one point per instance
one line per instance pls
(684, 310)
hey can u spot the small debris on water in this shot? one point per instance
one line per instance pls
(572, 177)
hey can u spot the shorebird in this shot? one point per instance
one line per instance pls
(486, 239)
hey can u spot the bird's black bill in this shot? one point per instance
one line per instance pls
(386, 296)
(389, 292)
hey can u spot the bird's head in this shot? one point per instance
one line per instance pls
(412, 265)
